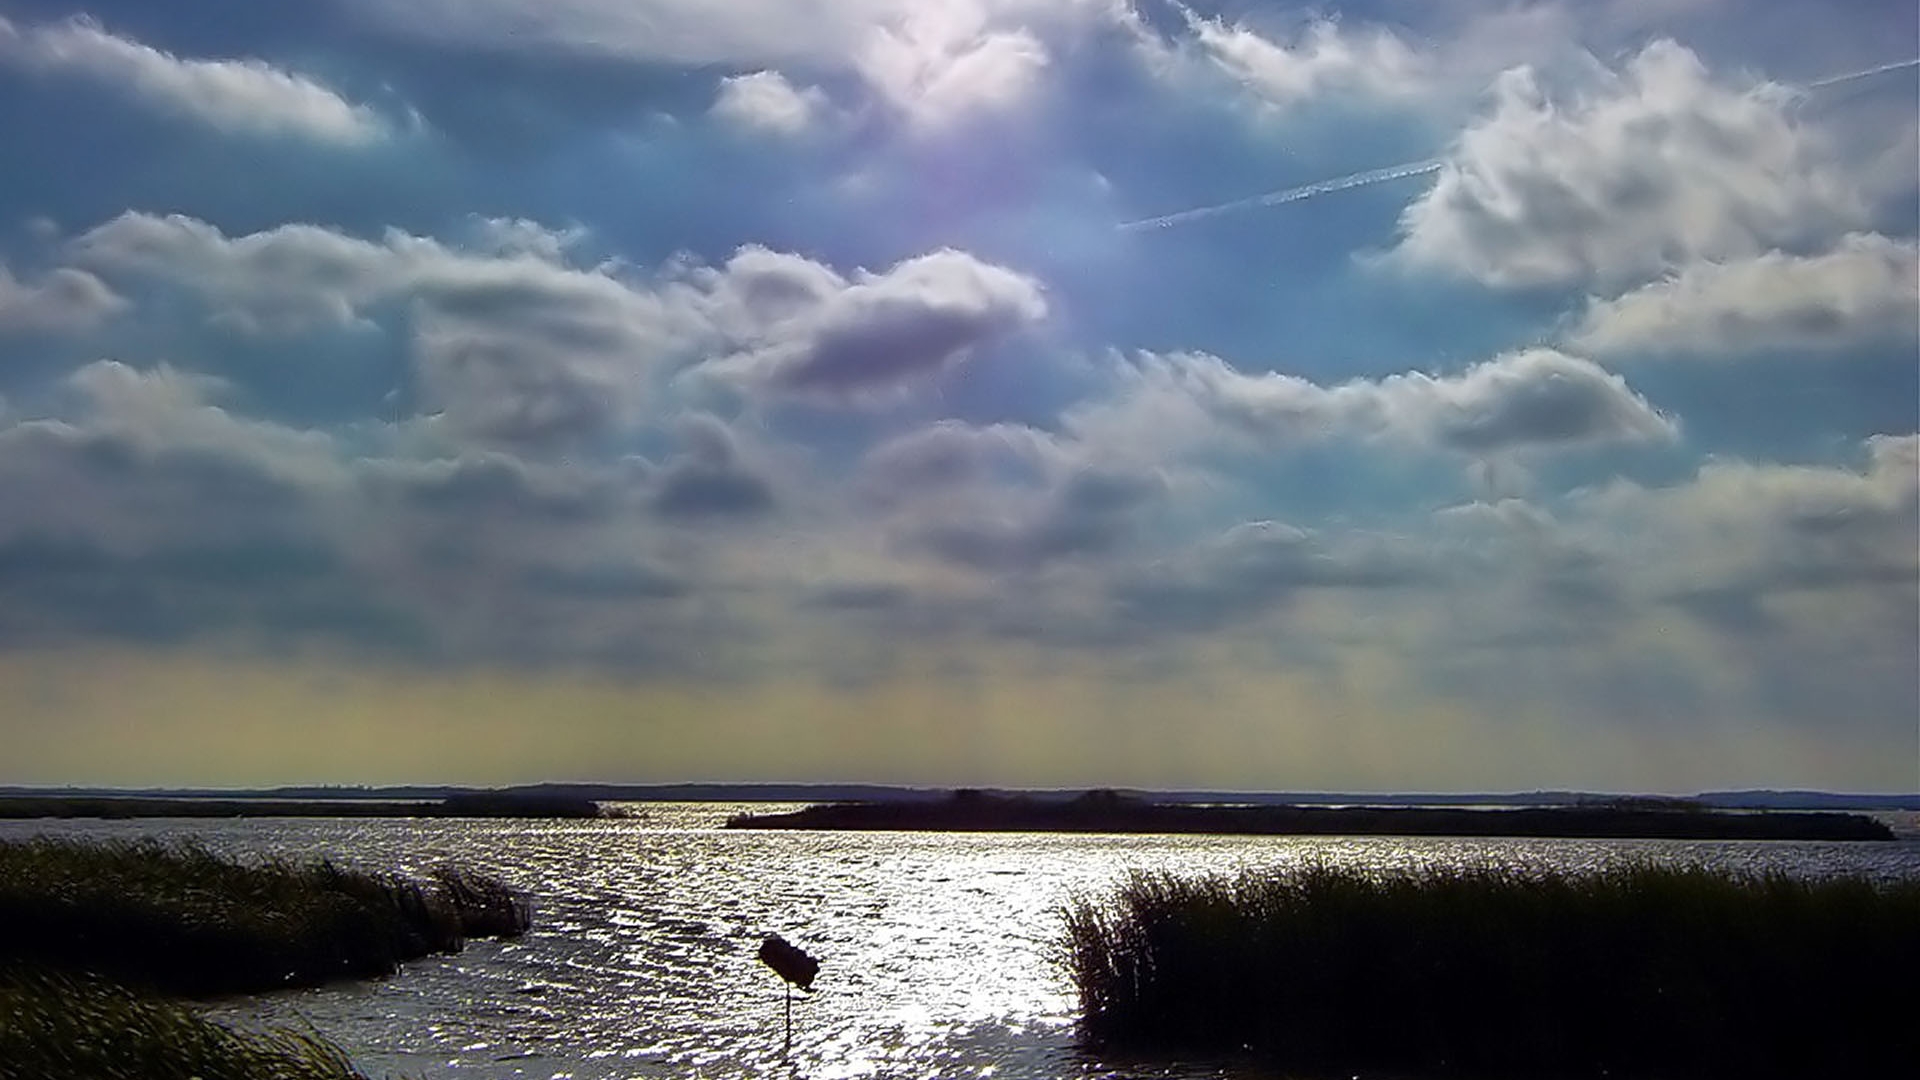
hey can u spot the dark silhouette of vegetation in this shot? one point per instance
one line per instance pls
(1111, 812)
(477, 804)
(179, 919)
(517, 804)
(1638, 972)
(64, 1027)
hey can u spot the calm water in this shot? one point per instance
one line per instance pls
(935, 947)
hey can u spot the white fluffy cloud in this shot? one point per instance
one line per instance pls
(1866, 290)
(938, 63)
(1653, 169)
(1322, 59)
(766, 101)
(1535, 399)
(929, 62)
(244, 97)
(63, 301)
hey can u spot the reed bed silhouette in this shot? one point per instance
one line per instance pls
(67, 1027)
(179, 919)
(1642, 971)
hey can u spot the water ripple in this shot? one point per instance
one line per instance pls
(934, 947)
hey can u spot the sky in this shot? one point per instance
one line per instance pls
(491, 391)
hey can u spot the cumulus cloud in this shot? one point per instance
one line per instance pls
(765, 101)
(1866, 290)
(817, 335)
(1091, 511)
(63, 301)
(513, 347)
(1757, 529)
(1657, 167)
(1531, 400)
(709, 479)
(523, 347)
(487, 485)
(142, 508)
(951, 455)
(675, 31)
(938, 63)
(929, 64)
(1004, 497)
(242, 97)
(148, 460)
(1322, 59)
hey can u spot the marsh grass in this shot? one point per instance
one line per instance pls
(64, 1027)
(179, 919)
(1642, 971)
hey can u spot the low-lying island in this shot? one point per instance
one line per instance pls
(1109, 812)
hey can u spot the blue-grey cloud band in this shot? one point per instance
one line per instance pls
(1402, 171)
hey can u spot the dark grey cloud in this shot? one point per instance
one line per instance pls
(1259, 566)
(879, 332)
(264, 593)
(1091, 512)
(949, 455)
(858, 596)
(491, 484)
(708, 479)
(609, 582)
(693, 489)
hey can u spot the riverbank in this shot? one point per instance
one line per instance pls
(1643, 972)
(1104, 812)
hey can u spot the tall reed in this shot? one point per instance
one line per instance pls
(180, 919)
(1642, 971)
(64, 1027)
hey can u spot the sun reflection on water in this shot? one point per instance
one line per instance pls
(935, 948)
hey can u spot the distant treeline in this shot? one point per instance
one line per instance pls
(479, 804)
(1110, 812)
(716, 792)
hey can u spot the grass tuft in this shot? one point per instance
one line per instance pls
(64, 1027)
(1642, 971)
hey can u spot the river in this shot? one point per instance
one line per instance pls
(934, 948)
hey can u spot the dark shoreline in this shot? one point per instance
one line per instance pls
(475, 805)
(1107, 813)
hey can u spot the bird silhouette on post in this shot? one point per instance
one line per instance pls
(792, 965)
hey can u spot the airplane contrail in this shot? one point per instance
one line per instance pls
(1835, 80)
(1292, 194)
(1399, 172)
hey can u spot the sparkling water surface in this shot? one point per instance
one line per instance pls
(936, 948)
